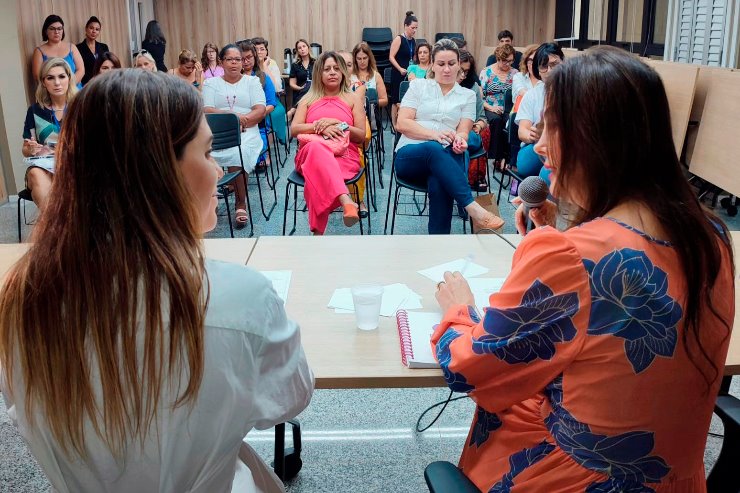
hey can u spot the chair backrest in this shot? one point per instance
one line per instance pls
(372, 95)
(225, 129)
(387, 75)
(513, 130)
(377, 35)
(508, 102)
(420, 41)
(402, 89)
(439, 36)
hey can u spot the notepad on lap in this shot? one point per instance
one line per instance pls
(415, 331)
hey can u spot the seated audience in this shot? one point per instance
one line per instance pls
(329, 110)
(365, 72)
(479, 136)
(53, 46)
(210, 62)
(90, 49)
(300, 73)
(107, 61)
(144, 60)
(189, 69)
(155, 43)
(435, 120)
(529, 116)
(41, 129)
(597, 364)
(152, 383)
(243, 96)
(251, 66)
(524, 80)
(505, 37)
(495, 80)
(422, 62)
(268, 65)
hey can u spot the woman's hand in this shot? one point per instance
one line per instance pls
(321, 124)
(534, 134)
(499, 110)
(459, 145)
(198, 69)
(404, 72)
(244, 121)
(454, 290)
(332, 132)
(33, 148)
(544, 215)
(444, 137)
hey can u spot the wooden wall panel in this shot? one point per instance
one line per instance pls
(337, 24)
(113, 15)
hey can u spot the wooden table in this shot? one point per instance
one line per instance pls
(341, 355)
(235, 250)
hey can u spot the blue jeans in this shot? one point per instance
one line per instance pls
(528, 163)
(443, 173)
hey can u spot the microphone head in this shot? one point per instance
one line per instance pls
(533, 191)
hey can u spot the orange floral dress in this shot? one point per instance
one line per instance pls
(579, 370)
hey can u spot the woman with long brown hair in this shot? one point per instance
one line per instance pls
(131, 362)
(597, 365)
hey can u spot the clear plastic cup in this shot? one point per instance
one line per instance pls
(367, 299)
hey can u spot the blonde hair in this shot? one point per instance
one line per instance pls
(529, 50)
(317, 84)
(42, 94)
(146, 55)
(187, 56)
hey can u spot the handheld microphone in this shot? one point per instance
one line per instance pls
(533, 191)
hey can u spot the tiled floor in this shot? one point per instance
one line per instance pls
(353, 440)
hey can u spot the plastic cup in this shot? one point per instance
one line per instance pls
(367, 299)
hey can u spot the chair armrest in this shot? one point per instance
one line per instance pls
(444, 477)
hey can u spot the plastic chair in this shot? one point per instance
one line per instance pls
(296, 180)
(439, 36)
(377, 35)
(223, 193)
(724, 476)
(445, 477)
(227, 134)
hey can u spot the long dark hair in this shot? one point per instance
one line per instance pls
(108, 56)
(471, 78)
(154, 33)
(257, 69)
(588, 101)
(131, 228)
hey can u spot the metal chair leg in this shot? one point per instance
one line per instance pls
(19, 219)
(285, 209)
(225, 193)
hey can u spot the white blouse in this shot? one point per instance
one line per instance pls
(521, 82)
(255, 376)
(237, 98)
(437, 111)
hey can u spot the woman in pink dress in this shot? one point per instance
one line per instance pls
(332, 111)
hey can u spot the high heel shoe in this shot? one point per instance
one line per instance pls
(351, 214)
(490, 221)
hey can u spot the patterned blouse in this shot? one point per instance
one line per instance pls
(579, 370)
(494, 88)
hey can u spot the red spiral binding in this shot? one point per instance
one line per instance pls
(404, 337)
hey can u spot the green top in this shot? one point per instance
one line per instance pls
(418, 72)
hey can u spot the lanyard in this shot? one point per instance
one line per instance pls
(411, 47)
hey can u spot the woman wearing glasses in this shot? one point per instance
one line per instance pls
(53, 34)
(495, 80)
(524, 80)
(529, 116)
(210, 62)
(243, 96)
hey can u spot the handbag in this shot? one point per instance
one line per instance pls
(337, 146)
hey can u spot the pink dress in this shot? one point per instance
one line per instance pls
(324, 172)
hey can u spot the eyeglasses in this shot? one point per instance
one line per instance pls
(57, 29)
(549, 66)
(507, 62)
(233, 59)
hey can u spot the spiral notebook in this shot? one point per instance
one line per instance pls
(414, 332)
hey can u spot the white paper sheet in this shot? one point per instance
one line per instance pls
(464, 265)
(280, 281)
(395, 297)
(483, 288)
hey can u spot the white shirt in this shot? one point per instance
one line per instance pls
(532, 105)
(521, 81)
(434, 110)
(255, 376)
(237, 98)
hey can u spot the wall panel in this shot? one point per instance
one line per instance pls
(337, 24)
